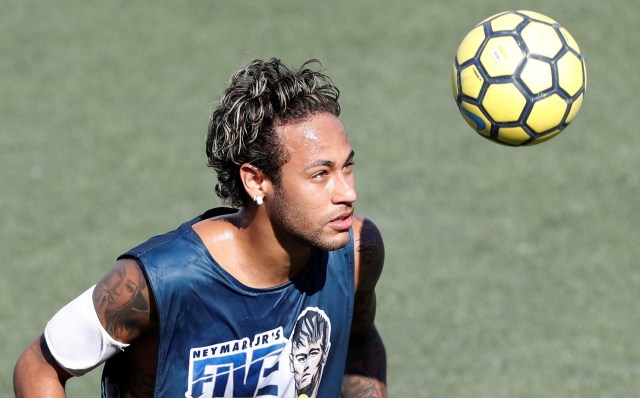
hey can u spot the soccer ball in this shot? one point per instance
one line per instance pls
(519, 78)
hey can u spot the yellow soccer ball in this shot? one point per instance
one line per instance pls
(519, 78)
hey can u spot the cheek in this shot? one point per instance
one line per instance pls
(304, 199)
(315, 361)
(352, 181)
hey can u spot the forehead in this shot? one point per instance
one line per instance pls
(305, 345)
(321, 136)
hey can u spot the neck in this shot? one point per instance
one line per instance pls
(260, 257)
(282, 257)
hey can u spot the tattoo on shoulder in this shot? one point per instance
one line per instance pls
(121, 300)
(371, 250)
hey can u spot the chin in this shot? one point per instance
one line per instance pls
(335, 243)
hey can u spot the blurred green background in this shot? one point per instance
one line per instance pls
(510, 272)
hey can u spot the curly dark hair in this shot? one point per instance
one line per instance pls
(260, 97)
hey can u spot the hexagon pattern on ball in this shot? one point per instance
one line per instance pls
(519, 78)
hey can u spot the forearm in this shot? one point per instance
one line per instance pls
(366, 370)
(34, 376)
(356, 386)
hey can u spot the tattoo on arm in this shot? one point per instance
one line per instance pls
(365, 373)
(356, 386)
(121, 300)
(366, 369)
(371, 253)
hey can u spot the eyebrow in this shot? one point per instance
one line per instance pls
(329, 163)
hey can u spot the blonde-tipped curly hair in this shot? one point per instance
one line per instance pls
(261, 96)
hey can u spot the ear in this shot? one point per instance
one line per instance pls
(253, 180)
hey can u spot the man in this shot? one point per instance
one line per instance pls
(207, 310)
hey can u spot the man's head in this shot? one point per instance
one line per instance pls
(242, 129)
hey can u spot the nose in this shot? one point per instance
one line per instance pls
(345, 189)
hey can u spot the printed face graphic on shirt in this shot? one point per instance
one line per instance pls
(309, 349)
(267, 364)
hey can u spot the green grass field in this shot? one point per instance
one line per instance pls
(510, 272)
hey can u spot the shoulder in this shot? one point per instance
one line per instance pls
(368, 252)
(173, 239)
(123, 301)
(366, 232)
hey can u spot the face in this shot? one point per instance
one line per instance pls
(123, 285)
(313, 201)
(307, 360)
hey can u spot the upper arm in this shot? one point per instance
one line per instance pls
(123, 306)
(365, 372)
(369, 261)
(123, 301)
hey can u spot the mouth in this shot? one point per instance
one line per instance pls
(343, 221)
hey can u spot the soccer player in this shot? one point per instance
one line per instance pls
(209, 309)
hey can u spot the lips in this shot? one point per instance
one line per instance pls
(343, 221)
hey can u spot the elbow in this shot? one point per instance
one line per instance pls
(35, 370)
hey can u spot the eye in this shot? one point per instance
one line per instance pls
(348, 167)
(319, 175)
(131, 287)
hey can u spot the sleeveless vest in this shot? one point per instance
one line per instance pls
(220, 338)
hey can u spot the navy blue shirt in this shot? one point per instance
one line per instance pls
(220, 338)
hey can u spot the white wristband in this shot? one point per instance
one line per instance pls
(76, 338)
